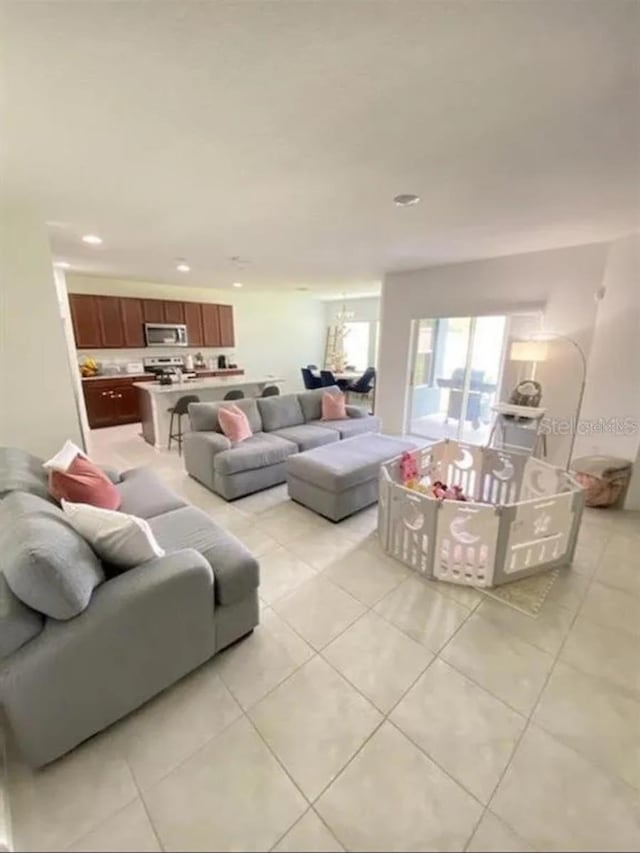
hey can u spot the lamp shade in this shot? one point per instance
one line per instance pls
(532, 351)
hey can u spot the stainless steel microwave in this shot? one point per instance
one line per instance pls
(165, 335)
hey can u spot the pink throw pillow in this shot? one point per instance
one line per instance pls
(84, 483)
(234, 423)
(333, 406)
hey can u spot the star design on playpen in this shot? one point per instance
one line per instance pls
(541, 524)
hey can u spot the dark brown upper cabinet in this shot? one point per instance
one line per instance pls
(193, 319)
(211, 324)
(132, 322)
(227, 336)
(153, 310)
(173, 312)
(85, 319)
(111, 326)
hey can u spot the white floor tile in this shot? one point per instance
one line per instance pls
(231, 795)
(613, 608)
(259, 663)
(557, 800)
(605, 652)
(309, 835)
(466, 730)
(421, 612)
(54, 807)
(494, 836)
(502, 663)
(392, 797)
(281, 572)
(126, 830)
(367, 577)
(314, 723)
(322, 547)
(319, 611)
(378, 658)
(546, 631)
(595, 718)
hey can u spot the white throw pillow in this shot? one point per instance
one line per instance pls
(64, 457)
(117, 538)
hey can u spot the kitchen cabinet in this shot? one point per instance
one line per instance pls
(211, 324)
(193, 320)
(103, 322)
(112, 401)
(173, 312)
(153, 310)
(132, 322)
(85, 320)
(227, 337)
(111, 327)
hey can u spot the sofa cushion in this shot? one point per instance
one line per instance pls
(345, 464)
(311, 402)
(18, 623)
(235, 570)
(84, 482)
(22, 472)
(351, 426)
(259, 451)
(204, 416)
(280, 412)
(144, 494)
(46, 563)
(307, 436)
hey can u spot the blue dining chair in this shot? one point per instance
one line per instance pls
(329, 379)
(310, 381)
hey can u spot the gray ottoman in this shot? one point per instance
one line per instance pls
(338, 479)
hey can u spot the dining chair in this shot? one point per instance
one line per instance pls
(310, 381)
(328, 379)
(270, 391)
(234, 394)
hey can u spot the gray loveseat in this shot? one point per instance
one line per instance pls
(64, 679)
(281, 426)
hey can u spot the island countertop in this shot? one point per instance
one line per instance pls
(202, 384)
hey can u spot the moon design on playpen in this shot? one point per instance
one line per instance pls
(506, 472)
(413, 518)
(458, 529)
(466, 460)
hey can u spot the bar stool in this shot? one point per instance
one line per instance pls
(270, 391)
(234, 394)
(181, 408)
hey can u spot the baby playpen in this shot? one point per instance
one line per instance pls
(521, 515)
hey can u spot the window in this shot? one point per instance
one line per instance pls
(356, 345)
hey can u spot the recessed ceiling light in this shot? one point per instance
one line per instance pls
(63, 265)
(92, 239)
(406, 199)
(183, 267)
(238, 284)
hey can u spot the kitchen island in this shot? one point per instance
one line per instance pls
(156, 399)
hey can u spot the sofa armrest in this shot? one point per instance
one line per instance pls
(200, 449)
(356, 412)
(142, 631)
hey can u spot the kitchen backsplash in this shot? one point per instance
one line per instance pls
(120, 357)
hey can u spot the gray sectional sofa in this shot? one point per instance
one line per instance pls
(281, 426)
(62, 681)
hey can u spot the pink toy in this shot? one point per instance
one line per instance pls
(408, 468)
(443, 492)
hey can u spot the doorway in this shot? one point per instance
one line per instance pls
(455, 375)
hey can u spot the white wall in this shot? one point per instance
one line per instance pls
(562, 281)
(613, 383)
(276, 333)
(38, 409)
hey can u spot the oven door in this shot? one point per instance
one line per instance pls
(165, 335)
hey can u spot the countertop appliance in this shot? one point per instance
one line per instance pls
(165, 334)
(222, 362)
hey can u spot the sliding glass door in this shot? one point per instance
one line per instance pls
(456, 367)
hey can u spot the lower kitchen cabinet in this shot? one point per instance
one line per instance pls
(111, 402)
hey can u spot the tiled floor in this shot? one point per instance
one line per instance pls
(371, 710)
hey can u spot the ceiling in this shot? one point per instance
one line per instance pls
(279, 132)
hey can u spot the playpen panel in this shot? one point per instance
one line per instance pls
(541, 479)
(539, 532)
(466, 542)
(501, 474)
(411, 529)
(461, 465)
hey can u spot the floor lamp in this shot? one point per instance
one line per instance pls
(535, 348)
